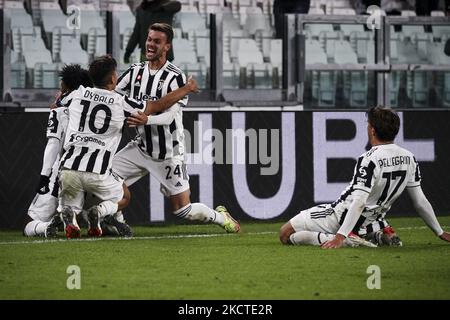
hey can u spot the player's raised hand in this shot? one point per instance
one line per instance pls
(192, 85)
(335, 243)
(137, 119)
(445, 236)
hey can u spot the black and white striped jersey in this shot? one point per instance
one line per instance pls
(57, 121)
(96, 119)
(140, 83)
(383, 172)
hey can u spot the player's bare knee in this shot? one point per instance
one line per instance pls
(285, 232)
(125, 201)
(180, 200)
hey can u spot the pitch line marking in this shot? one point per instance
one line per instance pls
(182, 236)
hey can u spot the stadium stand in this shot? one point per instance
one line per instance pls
(338, 44)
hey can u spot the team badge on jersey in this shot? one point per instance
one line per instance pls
(160, 84)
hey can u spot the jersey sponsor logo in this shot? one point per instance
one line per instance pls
(146, 97)
(98, 98)
(362, 172)
(78, 138)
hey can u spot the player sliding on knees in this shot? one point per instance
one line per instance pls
(159, 148)
(380, 176)
(94, 131)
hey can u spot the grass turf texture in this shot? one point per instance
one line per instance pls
(163, 262)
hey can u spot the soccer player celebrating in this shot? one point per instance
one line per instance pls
(96, 119)
(43, 207)
(159, 146)
(380, 176)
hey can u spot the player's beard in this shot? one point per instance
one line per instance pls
(156, 56)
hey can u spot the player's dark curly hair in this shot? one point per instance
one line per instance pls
(385, 121)
(73, 75)
(101, 70)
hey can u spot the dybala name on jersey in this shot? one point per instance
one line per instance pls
(97, 97)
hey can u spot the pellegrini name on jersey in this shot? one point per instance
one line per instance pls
(394, 161)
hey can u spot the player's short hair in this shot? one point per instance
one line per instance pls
(385, 121)
(73, 75)
(164, 28)
(101, 70)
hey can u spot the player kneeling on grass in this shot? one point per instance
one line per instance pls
(43, 209)
(380, 176)
(94, 131)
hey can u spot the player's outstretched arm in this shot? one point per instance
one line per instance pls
(426, 212)
(171, 98)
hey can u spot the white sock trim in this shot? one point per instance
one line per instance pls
(183, 212)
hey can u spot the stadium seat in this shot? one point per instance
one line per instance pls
(71, 52)
(202, 45)
(355, 82)
(231, 75)
(125, 17)
(57, 39)
(255, 20)
(276, 59)
(410, 30)
(315, 29)
(52, 17)
(198, 70)
(18, 75)
(323, 83)
(190, 21)
(422, 43)
(19, 17)
(96, 42)
(230, 23)
(90, 18)
(46, 75)
(363, 44)
(184, 51)
(315, 10)
(440, 31)
(34, 50)
(230, 42)
(417, 88)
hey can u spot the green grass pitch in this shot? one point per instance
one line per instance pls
(202, 262)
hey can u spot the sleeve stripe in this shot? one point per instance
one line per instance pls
(180, 81)
(361, 190)
(124, 75)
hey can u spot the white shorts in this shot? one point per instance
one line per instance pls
(74, 184)
(43, 207)
(321, 218)
(131, 163)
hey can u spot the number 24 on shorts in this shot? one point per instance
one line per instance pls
(176, 171)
